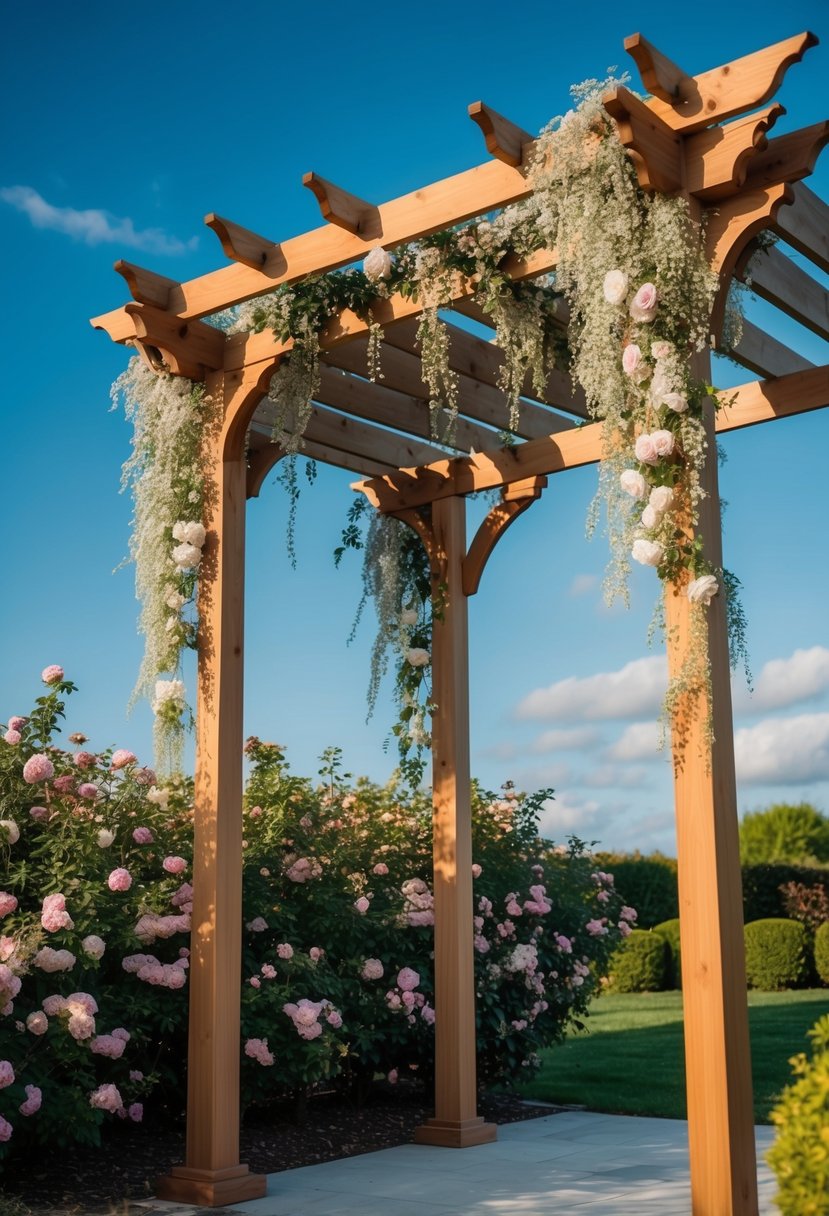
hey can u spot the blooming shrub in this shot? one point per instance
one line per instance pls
(798, 1156)
(338, 915)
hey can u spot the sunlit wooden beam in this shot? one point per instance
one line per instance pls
(242, 245)
(805, 225)
(779, 280)
(344, 209)
(146, 287)
(504, 140)
(764, 354)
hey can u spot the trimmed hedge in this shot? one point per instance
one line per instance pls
(639, 964)
(647, 884)
(669, 930)
(822, 952)
(777, 954)
(762, 896)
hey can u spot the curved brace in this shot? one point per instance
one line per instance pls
(516, 499)
(240, 392)
(419, 520)
(730, 228)
(260, 463)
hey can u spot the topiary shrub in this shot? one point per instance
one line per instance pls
(822, 952)
(762, 888)
(777, 954)
(649, 885)
(669, 930)
(639, 964)
(799, 1155)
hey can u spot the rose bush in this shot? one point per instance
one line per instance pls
(338, 916)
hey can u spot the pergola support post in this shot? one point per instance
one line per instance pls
(717, 1051)
(456, 1123)
(212, 1174)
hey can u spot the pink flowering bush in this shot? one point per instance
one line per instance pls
(337, 979)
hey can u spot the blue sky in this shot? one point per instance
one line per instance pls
(148, 122)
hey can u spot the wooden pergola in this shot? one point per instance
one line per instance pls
(703, 136)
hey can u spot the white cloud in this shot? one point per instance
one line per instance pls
(783, 751)
(568, 813)
(92, 226)
(582, 584)
(566, 739)
(639, 741)
(801, 677)
(615, 776)
(637, 689)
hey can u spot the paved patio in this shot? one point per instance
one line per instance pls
(570, 1164)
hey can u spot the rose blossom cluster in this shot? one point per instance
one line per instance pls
(162, 975)
(306, 1016)
(404, 998)
(418, 903)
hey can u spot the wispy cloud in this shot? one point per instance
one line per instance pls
(92, 226)
(782, 682)
(635, 690)
(575, 738)
(639, 741)
(783, 751)
(582, 584)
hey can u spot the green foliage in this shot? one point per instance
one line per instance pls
(640, 963)
(821, 947)
(798, 834)
(338, 938)
(763, 893)
(800, 1153)
(777, 954)
(648, 884)
(669, 930)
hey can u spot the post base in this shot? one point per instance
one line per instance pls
(210, 1188)
(449, 1133)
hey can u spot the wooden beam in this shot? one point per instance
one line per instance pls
(765, 355)
(262, 459)
(504, 140)
(747, 405)
(660, 76)
(190, 348)
(779, 280)
(805, 225)
(346, 210)
(242, 245)
(718, 160)
(146, 286)
(450, 201)
(515, 500)
(723, 92)
(655, 149)
(788, 158)
(344, 434)
(456, 1123)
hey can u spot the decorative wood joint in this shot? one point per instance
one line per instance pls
(146, 287)
(344, 209)
(721, 93)
(718, 160)
(789, 158)
(260, 462)
(516, 498)
(659, 75)
(242, 245)
(655, 149)
(504, 140)
(420, 520)
(186, 348)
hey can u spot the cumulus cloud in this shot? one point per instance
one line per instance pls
(574, 739)
(782, 682)
(582, 584)
(783, 751)
(639, 741)
(637, 689)
(568, 813)
(92, 226)
(616, 776)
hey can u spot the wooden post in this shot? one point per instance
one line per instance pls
(717, 1054)
(212, 1174)
(456, 1123)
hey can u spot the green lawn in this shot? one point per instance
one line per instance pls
(629, 1059)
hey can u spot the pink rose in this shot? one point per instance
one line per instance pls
(52, 674)
(624, 928)
(119, 880)
(174, 865)
(335, 1019)
(392, 1077)
(12, 737)
(6, 1074)
(5, 1130)
(16, 722)
(372, 969)
(315, 954)
(65, 784)
(285, 950)
(106, 1097)
(87, 790)
(39, 813)
(84, 759)
(255, 981)
(645, 450)
(136, 1112)
(362, 905)
(54, 960)
(93, 946)
(476, 870)
(142, 836)
(37, 1023)
(596, 928)
(633, 483)
(644, 304)
(632, 359)
(38, 768)
(8, 903)
(121, 758)
(53, 915)
(407, 979)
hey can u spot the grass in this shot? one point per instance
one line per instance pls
(629, 1059)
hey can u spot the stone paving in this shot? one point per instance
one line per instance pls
(570, 1164)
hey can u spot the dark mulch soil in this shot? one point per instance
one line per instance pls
(104, 1180)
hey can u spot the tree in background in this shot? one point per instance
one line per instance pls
(798, 834)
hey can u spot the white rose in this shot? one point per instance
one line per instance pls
(663, 442)
(159, 797)
(633, 483)
(186, 557)
(94, 946)
(661, 498)
(615, 286)
(417, 657)
(408, 616)
(11, 829)
(703, 589)
(648, 552)
(194, 533)
(650, 517)
(175, 600)
(676, 402)
(105, 838)
(377, 264)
